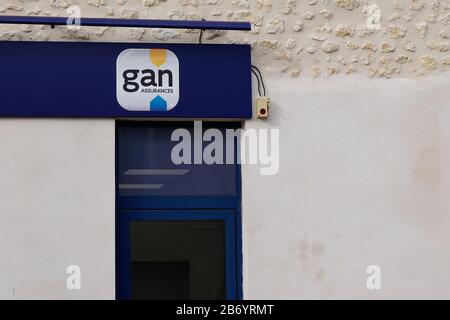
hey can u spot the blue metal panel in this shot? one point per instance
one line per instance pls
(123, 258)
(239, 233)
(66, 79)
(125, 217)
(130, 23)
(230, 256)
(150, 147)
(177, 202)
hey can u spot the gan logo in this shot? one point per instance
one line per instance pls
(147, 80)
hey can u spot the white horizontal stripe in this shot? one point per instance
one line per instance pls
(140, 186)
(154, 172)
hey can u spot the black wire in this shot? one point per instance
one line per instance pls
(257, 78)
(262, 81)
(201, 34)
(200, 37)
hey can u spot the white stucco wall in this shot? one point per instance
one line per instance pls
(364, 180)
(57, 208)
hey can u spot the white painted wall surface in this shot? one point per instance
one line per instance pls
(364, 179)
(57, 208)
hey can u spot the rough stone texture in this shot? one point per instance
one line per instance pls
(408, 39)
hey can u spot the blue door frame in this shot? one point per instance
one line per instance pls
(138, 208)
(228, 216)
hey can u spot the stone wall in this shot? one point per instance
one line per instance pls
(307, 38)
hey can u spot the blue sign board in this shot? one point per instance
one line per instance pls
(124, 80)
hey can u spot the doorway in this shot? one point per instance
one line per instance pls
(178, 226)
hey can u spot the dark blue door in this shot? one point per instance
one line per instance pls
(178, 226)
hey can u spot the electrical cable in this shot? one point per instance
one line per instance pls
(200, 37)
(260, 74)
(257, 79)
(262, 81)
(201, 34)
